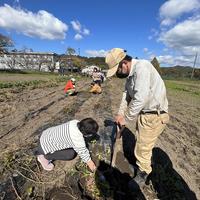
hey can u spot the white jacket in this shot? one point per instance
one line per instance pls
(144, 91)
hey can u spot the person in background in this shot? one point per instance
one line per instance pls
(143, 100)
(96, 76)
(97, 80)
(65, 141)
(95, 88)
(70, 88)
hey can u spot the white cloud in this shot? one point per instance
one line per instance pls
(180, 32)
(173, 9)
(170, 60)
(42, 24)
(78, 36)
(76, 26)
(184, 37)
(167, 22)
(96, 53)
(86, 31)
(166, 60)
(80, 31)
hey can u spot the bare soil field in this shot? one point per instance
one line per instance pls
(26, 112)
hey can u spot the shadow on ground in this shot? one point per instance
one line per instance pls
(166, 180)
(118, 184)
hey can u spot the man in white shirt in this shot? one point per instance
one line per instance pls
(144, 99)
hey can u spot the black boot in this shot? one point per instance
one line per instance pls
(139, 180)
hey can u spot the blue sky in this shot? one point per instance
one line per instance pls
(169, 30)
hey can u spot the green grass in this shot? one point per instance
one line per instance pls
(10, 77)
(186, 86)
(16, 71)
(35, 79)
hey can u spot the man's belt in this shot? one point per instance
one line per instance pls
(153, 112)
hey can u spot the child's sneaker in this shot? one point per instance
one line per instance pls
(45, 163)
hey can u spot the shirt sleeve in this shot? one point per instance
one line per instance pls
(81, 149)
(66, 87)
(123, 104)
(84, 154)
(141, 92)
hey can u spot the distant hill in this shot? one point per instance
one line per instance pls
(179, 72)
(99, 61)
(80, 61)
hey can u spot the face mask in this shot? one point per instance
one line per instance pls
(89, 138)
(121, 75)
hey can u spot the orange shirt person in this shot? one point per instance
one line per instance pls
(70, 87)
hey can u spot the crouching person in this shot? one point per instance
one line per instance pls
(95, 88)
(65, 141)
(70, 87)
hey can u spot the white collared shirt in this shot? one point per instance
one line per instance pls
(144, 90)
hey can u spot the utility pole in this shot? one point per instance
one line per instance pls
(79, 51)
(195, 59)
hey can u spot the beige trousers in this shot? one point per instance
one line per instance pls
(149, 127)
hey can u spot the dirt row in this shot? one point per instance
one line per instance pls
(26, 113)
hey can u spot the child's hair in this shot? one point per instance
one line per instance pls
(88, 126)
(95, 69)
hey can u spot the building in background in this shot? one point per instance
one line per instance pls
(29, 60)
